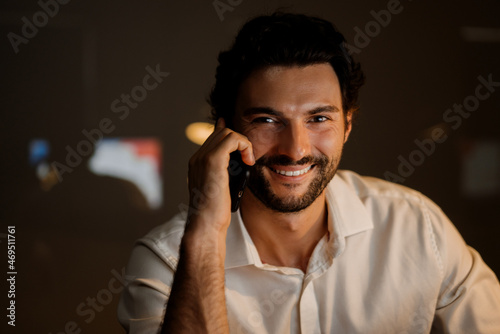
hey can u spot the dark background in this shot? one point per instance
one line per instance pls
(72, 241)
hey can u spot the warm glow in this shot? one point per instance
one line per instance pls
(198, 132)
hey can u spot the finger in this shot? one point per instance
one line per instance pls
(216, 135)
(235, 141)
(221, 123)
(247, 154)
(246, 150)
(243, 145)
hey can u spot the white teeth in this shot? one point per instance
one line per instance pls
(295, 173)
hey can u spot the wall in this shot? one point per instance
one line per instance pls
(74, 240)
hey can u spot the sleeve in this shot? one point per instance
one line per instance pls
(469, 297)
(143, 301)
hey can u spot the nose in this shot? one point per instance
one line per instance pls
(294, 141)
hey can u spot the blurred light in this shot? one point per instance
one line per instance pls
(39, 150)
(137, 160)
(198, 132)
(439, 130)
(42, 170)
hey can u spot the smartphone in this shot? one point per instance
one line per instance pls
(238, 177)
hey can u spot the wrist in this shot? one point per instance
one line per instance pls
(204, 242)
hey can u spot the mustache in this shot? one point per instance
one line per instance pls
(284, 160)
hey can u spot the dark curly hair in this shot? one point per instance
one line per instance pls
(284, 39)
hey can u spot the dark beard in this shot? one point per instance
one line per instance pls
(261, 188)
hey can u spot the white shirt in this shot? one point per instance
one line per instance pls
(393, 263)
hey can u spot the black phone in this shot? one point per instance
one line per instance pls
(238, 177)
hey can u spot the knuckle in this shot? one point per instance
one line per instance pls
(231, 135)
(226, 132)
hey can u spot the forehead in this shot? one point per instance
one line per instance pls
(290, 88)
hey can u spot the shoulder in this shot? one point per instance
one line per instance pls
(164, 240)
(411, 218)
(368, 186)
(392, 206)
(374, 191)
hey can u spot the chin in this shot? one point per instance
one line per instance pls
(288, 197)
(284, 204)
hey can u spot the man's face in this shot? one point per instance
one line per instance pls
(293, 116)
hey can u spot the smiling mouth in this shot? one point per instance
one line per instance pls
(292, 173)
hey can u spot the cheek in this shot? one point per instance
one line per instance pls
(328, 142)
(262, 140)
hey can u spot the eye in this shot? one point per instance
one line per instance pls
(263, 120)
(319, 119)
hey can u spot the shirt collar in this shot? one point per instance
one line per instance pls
(240, 249)
(345, 207)
(346, 216)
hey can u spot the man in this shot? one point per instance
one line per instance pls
(311, 250)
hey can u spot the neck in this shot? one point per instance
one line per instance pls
(284, 239)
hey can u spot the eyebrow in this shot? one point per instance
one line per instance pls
(274, 112)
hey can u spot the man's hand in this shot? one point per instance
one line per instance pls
(210, 202)
(197, 302)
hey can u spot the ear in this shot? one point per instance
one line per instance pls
(348, 125)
